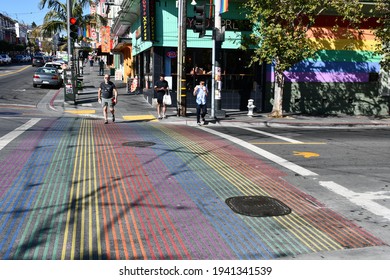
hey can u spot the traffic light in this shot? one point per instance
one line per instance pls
(200, 20)
(74, 29)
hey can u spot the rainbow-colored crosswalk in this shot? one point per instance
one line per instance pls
(71, 189)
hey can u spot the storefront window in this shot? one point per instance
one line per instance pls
(147, 62)
(198, 61)
(148, 66)
(236, 73)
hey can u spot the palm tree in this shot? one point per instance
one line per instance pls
(55, 20)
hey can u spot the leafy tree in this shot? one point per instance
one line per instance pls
(280, 28)
(382, 31)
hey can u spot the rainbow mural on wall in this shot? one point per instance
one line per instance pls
(338, 59)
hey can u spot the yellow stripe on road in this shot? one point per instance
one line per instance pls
(79, 224)
(140, 118)
(14, 72)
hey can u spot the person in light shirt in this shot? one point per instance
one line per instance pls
(201, 91)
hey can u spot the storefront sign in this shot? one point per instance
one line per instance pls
(229, 24)
(171, 54)
(105, 39)
(148, 20)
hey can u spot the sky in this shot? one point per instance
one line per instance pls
(26, 11)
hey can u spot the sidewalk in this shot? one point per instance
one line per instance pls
(135, 107)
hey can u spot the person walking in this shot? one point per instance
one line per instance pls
(90, 58)
(161, 88)
(201, 91)
(101, 67)
(108, 96)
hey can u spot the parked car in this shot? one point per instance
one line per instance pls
(38, 61)
(60, 60)
(20, 58)
(56, 65)
(6, 59)
(48, 58)
(47, 76)
(27, 58)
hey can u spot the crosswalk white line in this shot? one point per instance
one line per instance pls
(6, 139)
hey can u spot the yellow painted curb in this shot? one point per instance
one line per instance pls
(81, 112)
(140, 118)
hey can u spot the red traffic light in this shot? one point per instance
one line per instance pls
(73, 20)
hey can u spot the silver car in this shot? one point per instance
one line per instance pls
(6, 59)
(47, 76)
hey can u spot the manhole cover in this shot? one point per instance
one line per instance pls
(140, 144)
(257, 206)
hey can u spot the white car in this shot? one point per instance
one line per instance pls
(5, 58)
(27, 58)
(56, 65)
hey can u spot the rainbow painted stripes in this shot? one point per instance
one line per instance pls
(339, 59)
(224, 6)
(70, 189)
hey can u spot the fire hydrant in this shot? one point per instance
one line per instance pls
(250, 107)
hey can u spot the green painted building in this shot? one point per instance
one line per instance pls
(335, 81)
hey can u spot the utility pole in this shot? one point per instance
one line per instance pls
(68, 16)
(216, 85)
(181, 59)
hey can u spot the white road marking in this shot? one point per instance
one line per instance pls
(272, 135)
(6, 139)
(285, 163)
(364, 200)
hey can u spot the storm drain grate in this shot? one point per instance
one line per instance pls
(257, 206)
(139, 144)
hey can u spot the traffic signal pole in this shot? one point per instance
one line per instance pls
(216, 73)
(70, 89)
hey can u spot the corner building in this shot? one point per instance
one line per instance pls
(154, 38)
(338, 80)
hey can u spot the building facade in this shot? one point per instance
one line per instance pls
(152, 27)
(343, 77)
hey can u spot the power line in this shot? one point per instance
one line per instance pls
(29, 13)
